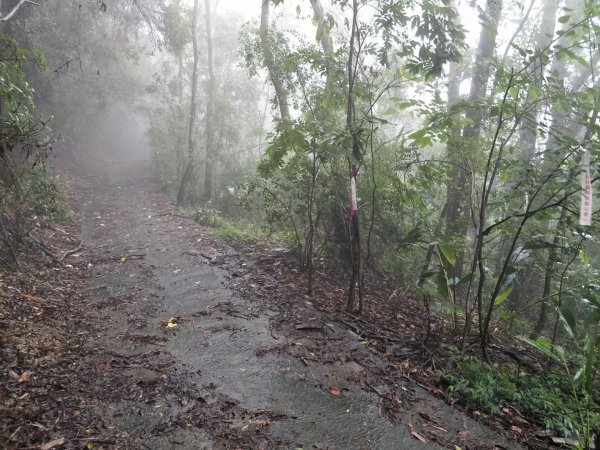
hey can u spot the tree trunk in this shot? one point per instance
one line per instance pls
(457, 202)
(275, 72)
(355, 251)
(529, 284)
(322, 33)
(209, 159)
(548, 278)
(187, 173)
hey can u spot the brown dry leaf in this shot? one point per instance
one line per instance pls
(260, 422)
(517, 429)
(34, 298)
(52, 444)
(24, 377)
(419, 437)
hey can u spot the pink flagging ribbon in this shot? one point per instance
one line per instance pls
(353, 203)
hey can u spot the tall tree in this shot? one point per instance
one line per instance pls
(273, 67)
(187, 173)
(458, 205)
(211, 149)
(355, 253)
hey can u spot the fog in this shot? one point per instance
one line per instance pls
(437, 154)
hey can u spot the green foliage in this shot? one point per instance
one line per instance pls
(583, 383)
(17, 123)
(40, 197)
(176, 27)
(47, 195)
(545, 397)
(234, 232)
(208, 217)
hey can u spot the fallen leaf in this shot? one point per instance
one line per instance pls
(33, 298)
(419, 437)
(24, 377)
(334, 392)
(260, 422)
(52, 444)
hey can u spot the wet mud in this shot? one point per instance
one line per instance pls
(184, 360)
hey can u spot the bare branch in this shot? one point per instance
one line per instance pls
(15, 9)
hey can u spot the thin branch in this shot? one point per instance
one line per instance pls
(15, 9)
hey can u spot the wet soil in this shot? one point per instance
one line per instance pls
(162, 337)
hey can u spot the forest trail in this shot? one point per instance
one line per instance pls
(184, 361)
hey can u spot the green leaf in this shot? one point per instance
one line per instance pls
(564, 19)
(412, 237)
(533, 93)
(543, 345)
(418, 134)
(584, 257)
(537, 244)
(448, 252)
(590, 363)
(468, 277)
(568, 319)
(429, 274)
(503, 296)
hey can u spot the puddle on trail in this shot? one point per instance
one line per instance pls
(223, 349)
(218, 337)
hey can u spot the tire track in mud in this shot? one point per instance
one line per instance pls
(179, 360)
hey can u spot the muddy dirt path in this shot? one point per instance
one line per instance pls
(184, 361)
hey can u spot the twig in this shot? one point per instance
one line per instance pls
(68, 253)
(15, 9)
(39, 245)
(376, 391)
(391, 330)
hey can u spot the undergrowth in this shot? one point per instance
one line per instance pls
(235, 232)
(542, 397)
(47, 194)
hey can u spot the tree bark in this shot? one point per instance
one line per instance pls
(275, 72)
(322, 33)
(187, 173)
(529, 284)
(355, 250)
(209, 159)
(457, 207)
(548, 278)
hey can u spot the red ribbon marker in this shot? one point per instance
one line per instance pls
(585, 214)
(353, 204)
